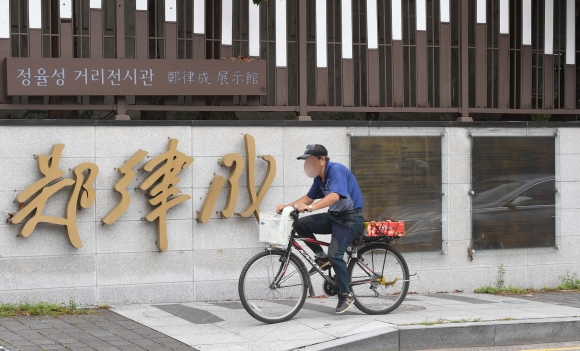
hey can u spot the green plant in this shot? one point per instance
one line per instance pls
(186, 115)
(35, 114)
(343, 116)
(87, 115)
(515, 290)
(500, 279)
(439, 321)
(541, 118)
(510, 289)
(72, 304)
(39, 309)
(570, 281)
(504, 290)
(216, 115)
(488, 289)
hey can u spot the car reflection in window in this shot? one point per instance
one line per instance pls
(506, 212)
(517, 210)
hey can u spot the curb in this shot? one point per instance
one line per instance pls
(386, 339)
(474, 334)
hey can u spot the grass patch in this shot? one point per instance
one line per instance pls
(443, 321)
(521, 291)
(439, 321)
(568, 282)
(503, 290)
(40, 309)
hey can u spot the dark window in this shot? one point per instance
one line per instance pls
(513, 179)
(400, 178)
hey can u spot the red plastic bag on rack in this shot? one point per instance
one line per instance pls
(385, 228)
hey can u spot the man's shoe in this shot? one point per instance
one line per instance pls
(323, 263)
(344, 302)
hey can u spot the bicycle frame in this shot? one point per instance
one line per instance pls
(293, 243)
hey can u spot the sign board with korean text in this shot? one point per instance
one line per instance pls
(70, 76)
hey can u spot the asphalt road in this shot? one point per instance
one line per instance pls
(562, 346)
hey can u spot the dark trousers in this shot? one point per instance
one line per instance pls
(344, 230)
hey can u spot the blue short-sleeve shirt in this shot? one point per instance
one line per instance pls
(338, 179)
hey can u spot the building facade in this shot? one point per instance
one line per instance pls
(325, 58)
(75, 195)
(431, 172)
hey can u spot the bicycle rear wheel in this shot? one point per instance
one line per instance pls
(265, 300)
(379, 279)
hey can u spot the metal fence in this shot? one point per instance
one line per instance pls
(434, 56)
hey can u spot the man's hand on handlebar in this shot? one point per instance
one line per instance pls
(301, 208)
(298, 207)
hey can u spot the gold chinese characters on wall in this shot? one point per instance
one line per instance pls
(160, 185)
(236, 163)
(33, 199)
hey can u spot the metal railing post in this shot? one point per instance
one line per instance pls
(302, 66)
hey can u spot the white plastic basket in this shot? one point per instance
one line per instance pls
(275, 229)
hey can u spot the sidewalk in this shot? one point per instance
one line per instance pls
(227, 326)
(421, 322)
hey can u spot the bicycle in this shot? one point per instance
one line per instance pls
(274, 283)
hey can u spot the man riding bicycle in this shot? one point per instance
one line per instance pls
(338, 189)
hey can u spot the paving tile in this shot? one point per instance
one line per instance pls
(190, 314)
(461, 299)
(107, 331)
(22, 343)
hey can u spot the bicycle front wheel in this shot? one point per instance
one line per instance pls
(379, 279)
(271, 301)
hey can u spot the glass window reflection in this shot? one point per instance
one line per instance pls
(400, 178)
(513, 180)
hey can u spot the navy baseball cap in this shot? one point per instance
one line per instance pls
(313, 150)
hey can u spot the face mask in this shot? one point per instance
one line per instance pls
(310, 171)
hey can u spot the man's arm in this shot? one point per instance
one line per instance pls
(303, 200)
(324, 202)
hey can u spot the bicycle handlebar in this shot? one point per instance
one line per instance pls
(294, 215)
(293, 212)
